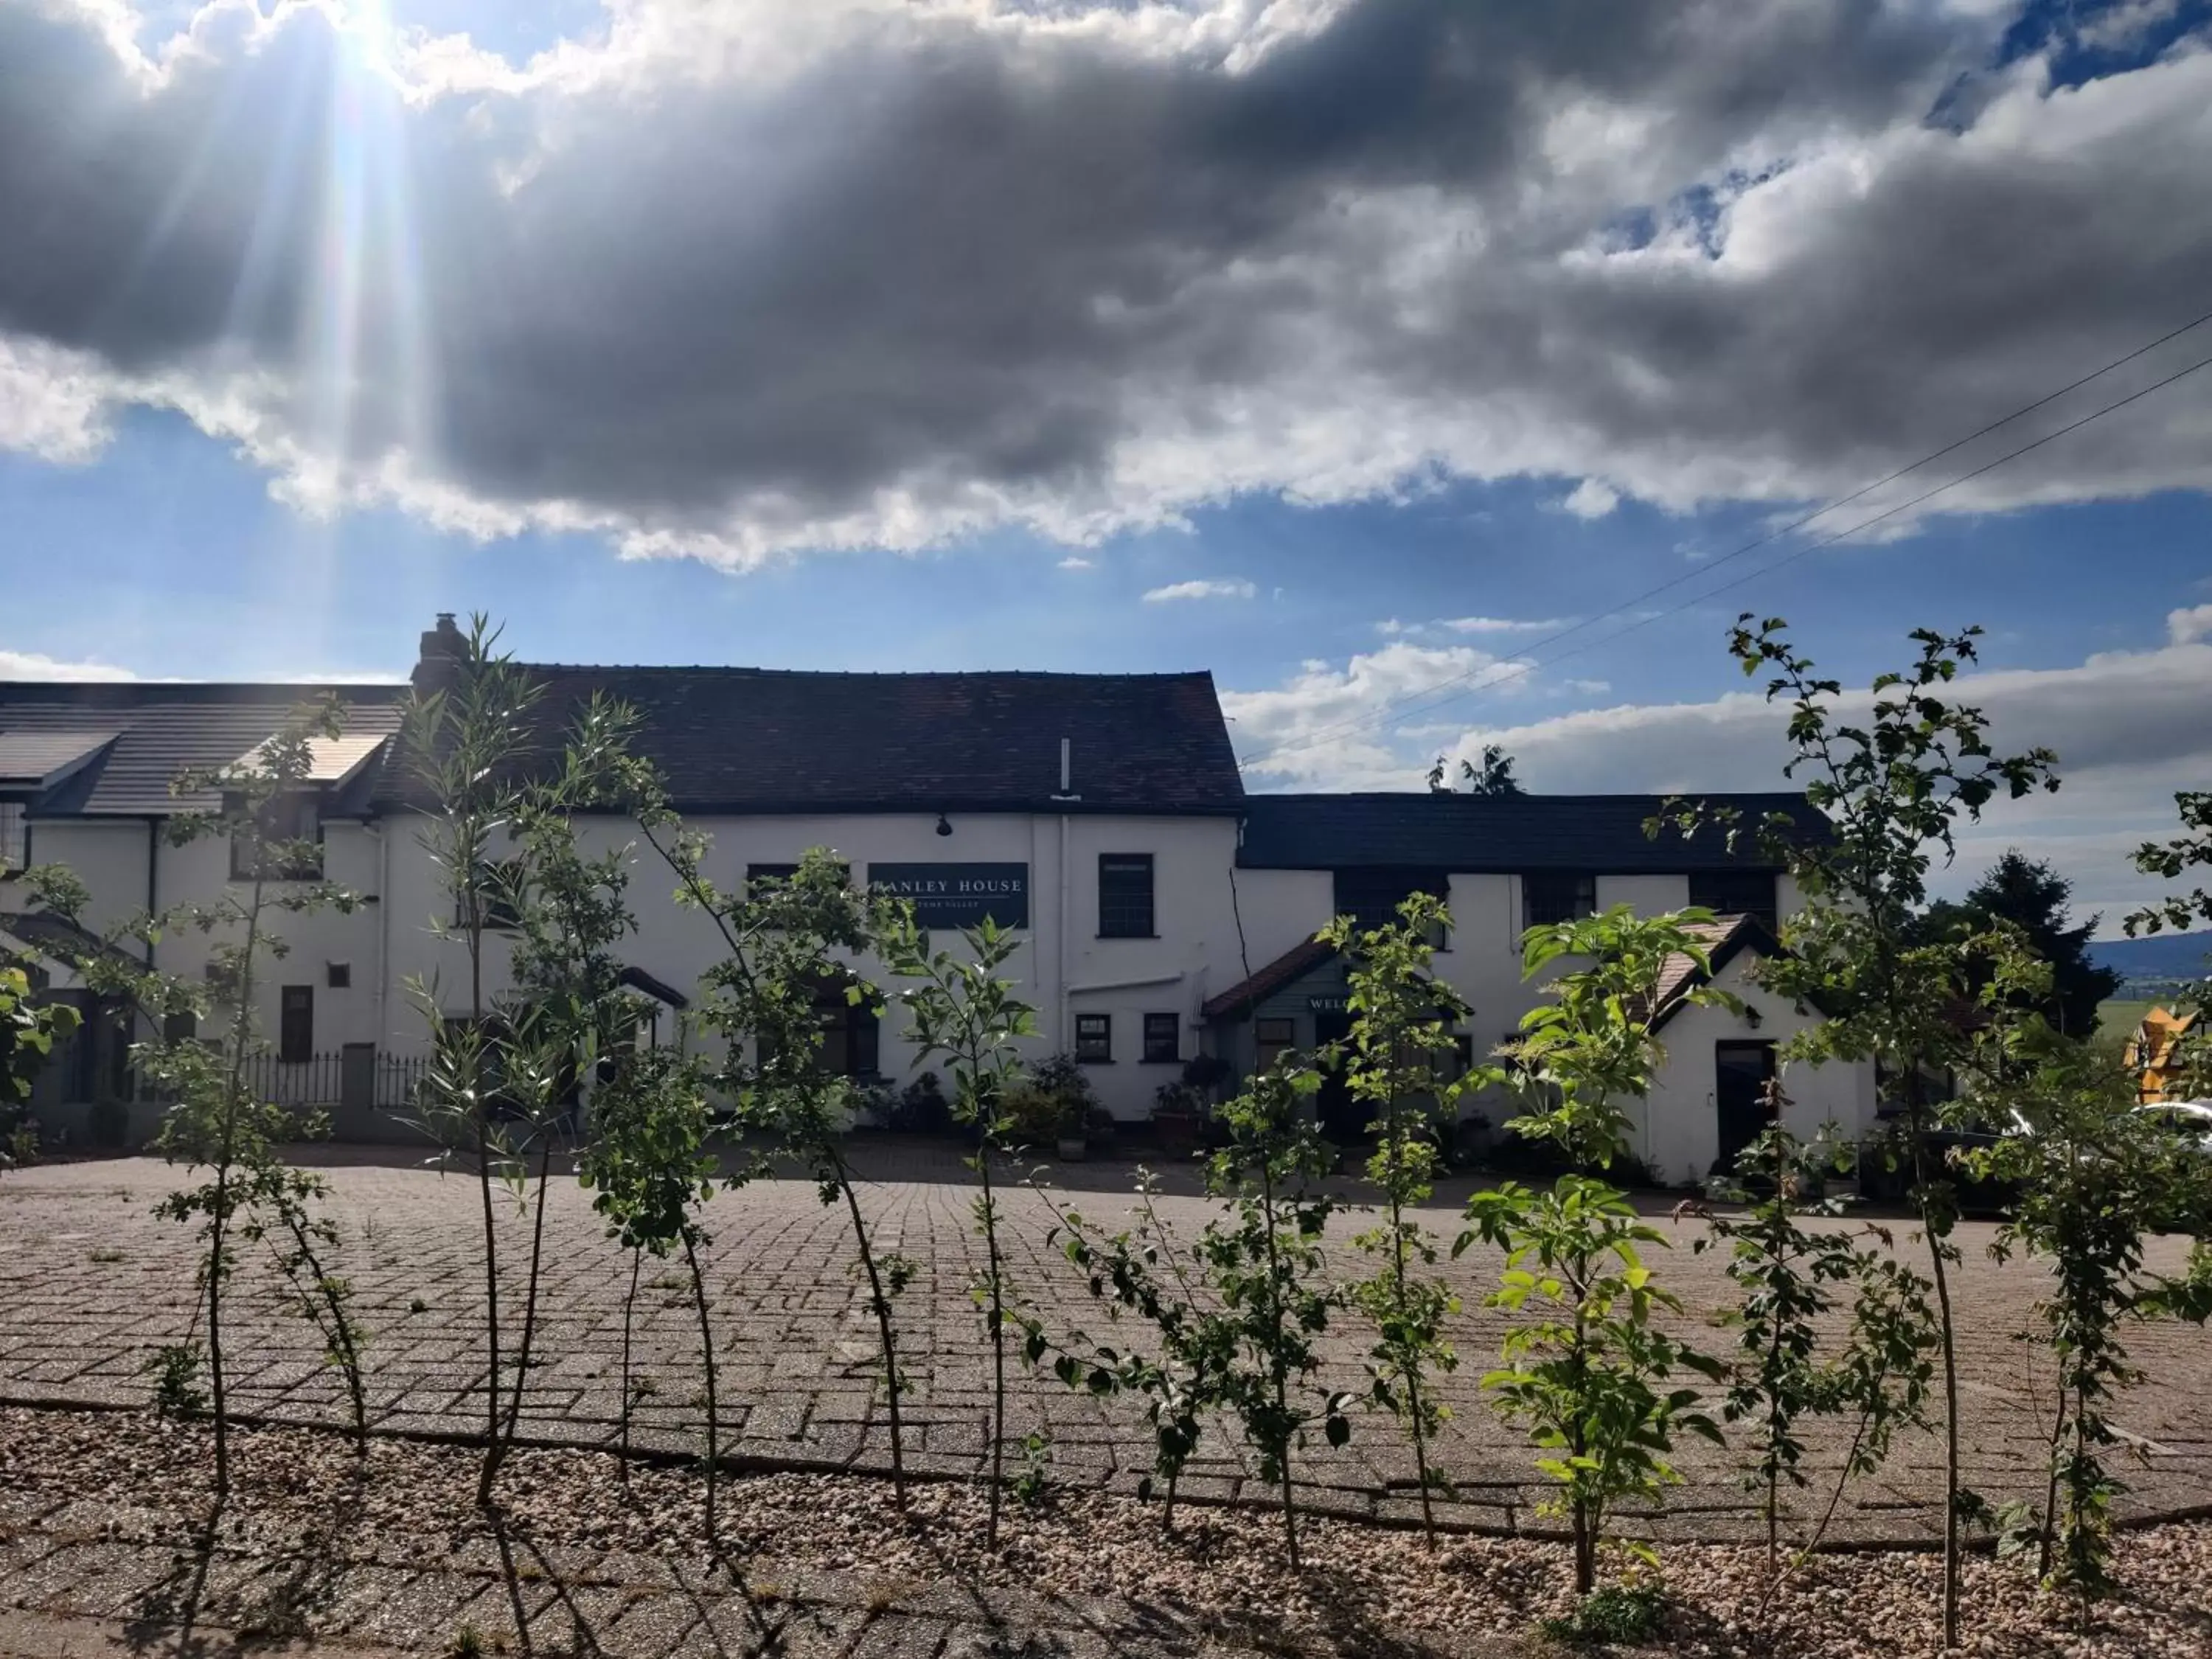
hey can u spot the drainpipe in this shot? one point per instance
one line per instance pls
(1063, 1037)
(153, 878)
(383, 921)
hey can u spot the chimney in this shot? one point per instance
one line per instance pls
(442, 647)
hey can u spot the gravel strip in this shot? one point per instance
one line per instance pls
(126, 1478)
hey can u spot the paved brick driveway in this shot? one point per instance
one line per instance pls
(91, 1282)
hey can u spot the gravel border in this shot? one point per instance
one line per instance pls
(836, 1540)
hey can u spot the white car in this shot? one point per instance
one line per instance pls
(2190, 1119)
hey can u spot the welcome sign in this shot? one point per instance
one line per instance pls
(958, 894)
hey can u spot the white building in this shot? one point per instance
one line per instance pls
(1164, 913)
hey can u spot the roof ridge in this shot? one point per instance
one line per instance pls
(870, 673)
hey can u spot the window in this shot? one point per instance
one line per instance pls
(1163, 1039)
(180, 1026)
(498, 890)
(338, 975)
(290, 834)
(1125, 895)
(1554, 896)
(295, 1025)
(14, 837)
(1735, 892)
(1094, 1037)
(1275, 1038)
(760, 878)
(851, 1039)
(1370, 896)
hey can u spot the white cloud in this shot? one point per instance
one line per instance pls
(1502, 624)
(1076, 562)
(1588, 688)
(1219, 587)
(1593, 498)
(2187, 626)
(1326, 727)
(2128, 729)
(31, 665)
(862, 273)
(53, 402)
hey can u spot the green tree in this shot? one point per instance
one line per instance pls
(1265, 1263)
(2092, 1175)
(1398, 1062)
(964, 1009)
(1791, 1280)
(786, 942)
(506, 1068)
(649, 1171)
(1588, 1374)
(2030, 896)
(1138, 1272)
(218, 1125)
(1494, 776)
(2174, 859)
(28, 1032)
(1893, 787)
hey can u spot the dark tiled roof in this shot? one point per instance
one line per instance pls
(1285, 970)
(1470, 834)
(766, 740)
(162, 730)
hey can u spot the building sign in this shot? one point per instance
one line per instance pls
(1335, 1002)
(958, 894)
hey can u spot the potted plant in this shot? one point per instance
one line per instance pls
(1054, 1102)
(1175, 1118)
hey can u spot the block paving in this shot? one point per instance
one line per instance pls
(92, 1282)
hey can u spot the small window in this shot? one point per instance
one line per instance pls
(1735, 892)
(338, 975)
(1275, 1038)
(852, 1038)
(1094, 1038)
(181, 1026)
(295, 1025)
(290, 834)
(1555, 896)
(1163, 1039)
(14, 837)
(1125, 895)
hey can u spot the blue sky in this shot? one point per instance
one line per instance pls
(1402, 336)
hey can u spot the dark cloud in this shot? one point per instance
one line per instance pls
(931, 274)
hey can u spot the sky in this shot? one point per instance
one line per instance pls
(1436, 372)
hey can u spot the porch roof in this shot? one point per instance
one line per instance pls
(1242, 997)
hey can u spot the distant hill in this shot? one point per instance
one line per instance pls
(2160, 956)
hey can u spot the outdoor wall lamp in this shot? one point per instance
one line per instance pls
(943, 825)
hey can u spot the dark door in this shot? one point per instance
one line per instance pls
(1741, 1072)
(1342, 1119)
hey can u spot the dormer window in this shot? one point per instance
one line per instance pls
(1736, 892)
(14, 837)
(290, 827)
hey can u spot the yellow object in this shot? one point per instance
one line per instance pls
(2153, 1053)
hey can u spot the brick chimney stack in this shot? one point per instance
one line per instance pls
(441, 647)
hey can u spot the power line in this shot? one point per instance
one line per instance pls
(1399, 707)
